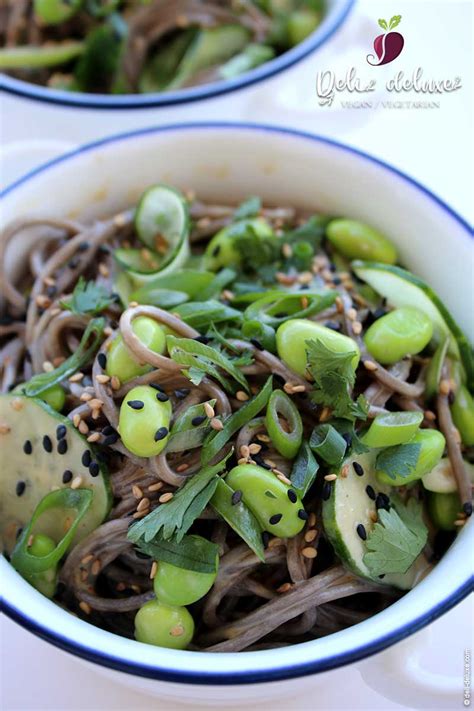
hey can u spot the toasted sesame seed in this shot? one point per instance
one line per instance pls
(357, 328)
(140, 514)
(309, 552)
(351, 314)
(154, 569)
(76, 482)
(76, 377)
(309, 536)
(103, 269)
(460, 522)
(95, 403)
(370, 365)
(48, 367)
(305, 278)
(85, 607)
(242, 460)
(209, 410)
(85, 397)
(361, 532)
(456, 435)
(330, 477)
(87, 559)
(254, 448)
(4, 429)
(373, 516)
(182, 467)
(137, 492)
(143, 504)
(284, 588)
(83, 427)
(216, 424)
(245, 451)
(95, 567)
(227, 295)
(94, 437)
(312, 519)
(286, 250)
(115, 382)
(16, 404)
(299, 388)
(304, 302)
(344, 471)
(76, 420)
(325, 414)
(444, 387)
(177, 631)
(287, 279)
(263, 438)
(282, 477)
(156, 487)
(164, 498)
(102, 378)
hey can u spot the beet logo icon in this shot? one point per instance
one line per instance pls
(389, 45)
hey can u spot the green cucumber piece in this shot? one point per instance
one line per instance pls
(132, 260)
(30, 419)
(31, 57)
(350, 505)
(441, 479)
(401, 288)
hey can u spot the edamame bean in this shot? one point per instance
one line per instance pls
(291, 340)
(222, 250)
(122, 363)
(55, 397)
(404, 331)
(444, 510)
(276, 506)
(164, 625)
(286, 442)
(356, 240)
(144, 421)
(53, 12)
(178, 586)
(462, 411)
(45, 582)
(432, 444)
(300, 25)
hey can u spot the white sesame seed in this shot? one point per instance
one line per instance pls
(48, 367)
(209, 410)
(154, 569)
(216, 424)
(85, 607)
(83, 427)
(156, 487)
(94, 437)
(4, 429)
(76, 482)
(244, 451)
(357, 327)
(115, 383)
(104, 270)
(309, 552)
(312, 520)
(102, 378)
(282, 477)
(254, 448)
(76, 377)
(370, 365)
(241, 396)
(85, 397)
(143, 504)
(95, 567)
(164, 498)
(352, 314)
(137, 492)
(309, 536)
(330, 477)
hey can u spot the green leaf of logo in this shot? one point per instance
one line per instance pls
(383, 24)
(394, 21)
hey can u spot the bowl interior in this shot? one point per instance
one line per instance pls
(226, 162)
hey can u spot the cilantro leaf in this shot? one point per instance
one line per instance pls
(311, 231)
(256, 250)
(396, 540)
(398, 461)
(175, 517)
(88, 298)
(191, 552)
(248, 208)
(334, 378)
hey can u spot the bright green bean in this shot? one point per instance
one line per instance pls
(291, 340)
(178, 586)
(53, 12)
(462, 411)
(444, 510)
(432, 444)
(277, 507)
(163, 625)
(286, 441)
(404, 331)
(144, 421)
(301, 24)
(222, 250)
(122, 363)
(45, 581)
(55, 397)
(356, 240)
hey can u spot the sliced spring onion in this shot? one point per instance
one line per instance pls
(252, 56)
(263, 333)
(286, 442)
(200, 314)
(391, 428)
(83, 355)
(305, 469)
(216, 440)
(239, 518)
(276, 308)
(30, 57)
(188, 281)
(222, 279)
(433, 371)
(328, 444)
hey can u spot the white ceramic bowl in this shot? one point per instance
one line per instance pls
(336, 13)
(231, 162)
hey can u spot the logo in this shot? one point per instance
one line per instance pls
(387, 46)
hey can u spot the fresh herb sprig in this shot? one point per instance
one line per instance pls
(88, 297)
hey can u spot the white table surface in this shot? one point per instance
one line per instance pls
(432, 145)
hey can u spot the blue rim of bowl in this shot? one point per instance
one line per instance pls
(268, 674)
(328, 27)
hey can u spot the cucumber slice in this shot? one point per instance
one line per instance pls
(401, 288)
(30, 420)
(350, 505)
(441, 478)
(133, 260)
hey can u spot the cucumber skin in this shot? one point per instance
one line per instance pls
(465, 350)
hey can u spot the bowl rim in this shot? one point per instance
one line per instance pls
(330, 23)
(286, 671)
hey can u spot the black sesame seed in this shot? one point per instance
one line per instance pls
(378, 313)
(104, 249)
(20, 488)
(304, 287)
(86, 458)
(326, 492)
(257, 344)
(370, 492)
(265, 539)
(347, 437)
(162, 397)
(451, 397)
(73, 263)
(467, 508)
(19, 532)
(62, 446)
(110, 439)
(276, 518)
(102, 360)
(258, 459)
(161, 433)
(382, 501)
(136, 404)
(94, 468)
(236, 497)
(292, 496)
(279, 379)
(216, 250)
(381, 576)
(61, 431)
(155, 386)
(359, 470)
(303, 515)
(202, 339)
(361, 532)
(83, 247)
(47, 444)
(281, 314)
(109, 430)
(67, 476)
(27, 447)
(181, 393)
(333, 325)
(198, 420)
